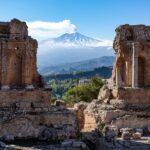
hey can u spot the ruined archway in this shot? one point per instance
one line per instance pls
(121, 72)
(141, 71)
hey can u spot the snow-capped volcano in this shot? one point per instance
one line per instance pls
(71, 47)
(76, 40)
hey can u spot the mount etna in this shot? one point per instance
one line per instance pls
(72, 49)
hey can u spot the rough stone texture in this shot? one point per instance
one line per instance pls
(99, 115)
(136, 136)
(21, 84)
(130, 130)
(59, 123)
(131, 121)
(141, 95)
(80, 107)
(59, 103)
(22, 98)
(126, 135)
(120, 144)
(25, 102)
(105, 93)
(90, 123)
(25, 110)
(126, 35)
(18, 56)
(110, 132)
(124, 105)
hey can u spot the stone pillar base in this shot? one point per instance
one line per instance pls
(5, 87)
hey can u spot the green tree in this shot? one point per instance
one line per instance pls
(84, 92)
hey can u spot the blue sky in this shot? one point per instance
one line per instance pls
(95, 18)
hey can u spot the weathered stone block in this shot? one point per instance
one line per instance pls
(136, 136)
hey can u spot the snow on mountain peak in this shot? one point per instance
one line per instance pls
(75, 40)
(72, 47)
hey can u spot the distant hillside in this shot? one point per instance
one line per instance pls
(104, 72)
(79, 66)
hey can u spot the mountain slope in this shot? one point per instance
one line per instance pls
(75, 40)
(71, 48)
(79, 66)
(103, 72)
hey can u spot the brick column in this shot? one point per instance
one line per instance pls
(134, 67)
(28, 68)
(118, 78)
(4, 72)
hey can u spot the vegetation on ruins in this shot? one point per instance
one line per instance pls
(59, 87)
(84, 92)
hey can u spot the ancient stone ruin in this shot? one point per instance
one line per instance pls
(18, 57)
(122, 110)
(25, 102)
(18, 70)
(131, 70)
(118, 120)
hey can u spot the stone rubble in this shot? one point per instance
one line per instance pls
(121, 112)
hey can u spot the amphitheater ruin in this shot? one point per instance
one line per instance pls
(119, 119)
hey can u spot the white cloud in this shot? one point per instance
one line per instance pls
(76, 44)
(43, 30)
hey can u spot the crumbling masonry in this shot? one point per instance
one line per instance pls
(25, 102)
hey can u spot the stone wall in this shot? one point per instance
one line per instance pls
(52, 123)
(121, 114)
(36, 97)
(132, 70)
(18, 56)
(139, 96)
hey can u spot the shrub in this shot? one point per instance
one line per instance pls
(84, 92)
